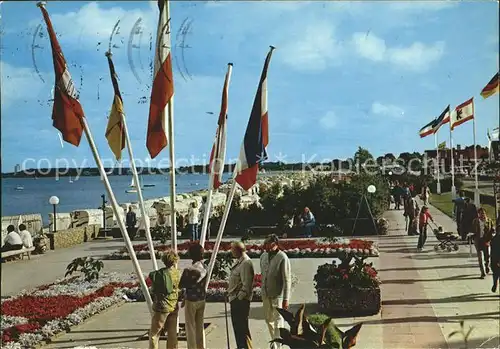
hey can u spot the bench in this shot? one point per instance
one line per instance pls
(22, 252)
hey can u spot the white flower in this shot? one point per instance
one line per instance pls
(7, 321)
(366, 251)
(348, 250)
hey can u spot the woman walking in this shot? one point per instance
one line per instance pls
(423, 222)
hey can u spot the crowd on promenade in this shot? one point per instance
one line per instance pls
(472, 223)
(172, 290)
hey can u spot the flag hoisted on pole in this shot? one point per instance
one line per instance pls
(217, 155)
(163, 84)
(253, 152)
(441, 120)
(117, 134)
(427, 129)
(162, 99)
(462, 113)
(67, 108)
(253, 149)
(491, 88)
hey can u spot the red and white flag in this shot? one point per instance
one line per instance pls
(462, 113)
(67, 113)
(218, 154)
(163, 84)
(253, 150)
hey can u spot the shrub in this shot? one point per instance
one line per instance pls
(357, 275)
(89, 266)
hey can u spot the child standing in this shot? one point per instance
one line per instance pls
(423, 222)
(495, 259)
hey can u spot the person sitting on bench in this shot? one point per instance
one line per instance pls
(308, 222)
(12, 241)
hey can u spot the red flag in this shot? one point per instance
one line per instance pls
(67, 111)
(163, 84)
(218, 153)
(253, 149)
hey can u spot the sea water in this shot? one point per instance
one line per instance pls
(85, 192)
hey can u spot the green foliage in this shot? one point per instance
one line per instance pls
(333, 336)
(161, 233)
(222, 266)
(90, 267)
(362, 155)
(357, 275)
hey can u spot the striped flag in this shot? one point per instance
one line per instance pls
(492, 87)
(253, 149)
(427, 130)
(115, 132)
(67, 113)
(442, 119)
(163, 84)
(462, 113)
(218, 153)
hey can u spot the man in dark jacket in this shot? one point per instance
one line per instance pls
(458, 210)
(131, 221)
(468, 216)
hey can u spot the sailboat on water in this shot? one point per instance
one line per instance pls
(133, 186)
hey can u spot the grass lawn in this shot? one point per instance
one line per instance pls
(444, 204)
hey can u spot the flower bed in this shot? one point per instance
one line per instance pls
(348, 289)
(294, 249)
(34, 316)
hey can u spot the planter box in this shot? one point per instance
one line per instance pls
(351, 302)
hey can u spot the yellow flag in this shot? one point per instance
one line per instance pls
(115, 132)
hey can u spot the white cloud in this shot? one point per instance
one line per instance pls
(420, 6)
(387, 110)
(329, 120)
(18, 84)
(92, 23)
(312, 49)
(369, 46)
(417, 57)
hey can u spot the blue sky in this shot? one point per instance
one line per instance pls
(344, 74)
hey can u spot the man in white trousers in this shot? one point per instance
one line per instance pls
(276, 285)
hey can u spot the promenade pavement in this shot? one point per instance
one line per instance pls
(424, 297)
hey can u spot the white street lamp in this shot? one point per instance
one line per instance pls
(54, 201)
(371, 189)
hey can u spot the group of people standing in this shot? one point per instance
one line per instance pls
(194, 217)
(172, 290)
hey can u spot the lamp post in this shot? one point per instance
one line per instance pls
(103, 208)
(54, 201)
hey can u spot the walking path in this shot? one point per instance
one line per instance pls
(425, 295)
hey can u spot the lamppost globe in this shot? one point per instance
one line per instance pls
(371, 189)
(390, 173)
(54, 200)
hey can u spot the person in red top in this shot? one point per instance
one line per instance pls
(423, 221)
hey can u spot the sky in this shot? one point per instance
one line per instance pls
(343, 75)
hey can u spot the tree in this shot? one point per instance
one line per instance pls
(361, 156)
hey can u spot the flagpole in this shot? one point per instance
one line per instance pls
(477, 198)
(453, 189)
(438, 187)
(95, 153)
(173, 218)
(221, 229)
(121, 224)
(208, 205)
(138, 185)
